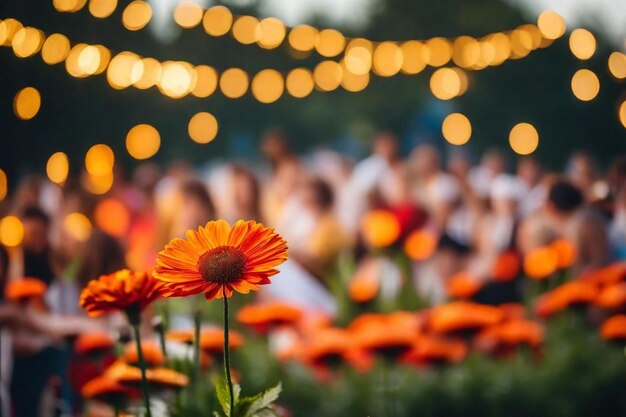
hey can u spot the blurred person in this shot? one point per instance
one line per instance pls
(240, 196)
(8, 315)
(433, 189)
(583, 173)
(491, 165)
(275, 147)
(168, 199)
(27, 194)
(36, 251)
(459, 164)
(280, 188)
(530, 173)
(617, 183)
(196, 208)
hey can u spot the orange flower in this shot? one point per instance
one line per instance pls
(612, 296)
(610, 274)
(432, 349)
(24, 289)
(218, 259)
(363, 288)
(564, 296)
(502, 337)
(420, 245)
(565, 251)
(513, 311)
(462, 285)
(123, 290)
(541, 263)
(93, 342)
(158, 377)
(263, 317)
(151, 353)
(614, 328)
(212, 340)
(463, 315)
(389, 334)
(506, 267)
(326, 347)
(167, 378)
(380, 228)
(104, 388)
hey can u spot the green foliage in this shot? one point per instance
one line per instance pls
(247, 406)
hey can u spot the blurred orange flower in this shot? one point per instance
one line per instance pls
(104, 388)
(614, 328)
(513, 311)
(211, 340)
(541, 263)
(433, 349)
(24, 289)
(463, 315)
(152, 354)
(389, 334)
(564, 296)
(326, 347)
(380, 228)
(612, 296)
(264, 316)
(610, 274)
(218, 259)
(502, 337)
(363, 288)
(506, 266)
(566, 253)
(420, 244)
(93, 342)
(123, 290)
(462, 285)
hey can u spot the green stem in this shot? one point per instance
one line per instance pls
(227, 356)
(197, 321)
(142, 365)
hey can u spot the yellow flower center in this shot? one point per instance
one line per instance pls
(222, 265)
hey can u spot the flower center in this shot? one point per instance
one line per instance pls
(222, 265)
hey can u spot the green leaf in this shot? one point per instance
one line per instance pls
(249, 406)
(223, 396)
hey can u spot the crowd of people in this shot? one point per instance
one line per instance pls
(475, 210)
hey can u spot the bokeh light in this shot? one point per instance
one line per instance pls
(143, 141)
(272, 33)
(188, 14)
(456, 129)
(524, 138)
(246, 30)
(206, 82)
(358, 56)
(330, 43)
(99, 160)
(420, 244)
(439, 51)
(71, 62)
(582, 43)
(58, 168)
(27, 42)
(521, 43)
(68, 6)
(121, 72)
(102, 8)
(621, 113)
(446, 83)
(551, 24)
(327, 75)
(8, 29)
(27, 103)
(585, 85)
(617, 65)
(11, 231)
(151, 71)
(55, 49)
(388, 59)
(217, 21)
(300, 82)
(99, 184)
(354, 82)
(78, 226)
(415, 56)
(267, 86)
(89, 60)
(203, 127)
(380, 228)
(136, 15)
(177, 80)
(465, 51)
(234, 82)
(112, 217)
(4, 185)
(302, 38)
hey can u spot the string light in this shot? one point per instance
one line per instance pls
(4, 185)
(302, 38)
(207, 79)
(57, 168)
(178, 79)
(99, 160)
(267, 86)
(55, 49)
(11, 231)
(524, 138)
(203, 127)
(551, 24)
(246, 30)
(188, 14)
(621, 112)
(272, 33)
(143, 141)
(327, 75)
(78, 226)
(69, 6)
(234, 83)
(217, 21)
(300, 82)
(27, 103)
(388, 59)
(330, 43)
(447, 83)
(99, 184)
(8, 28)
(617, 65)
(136, 15)
(27, 42)
(415, 57)
(102, 8)
(456, 129)
(582, 43)
(585, 85)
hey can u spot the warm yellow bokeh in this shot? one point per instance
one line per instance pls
(582, 43)
(465, 51)
(151, 71)
(327, 75)
(300, 82)
(71, 62)
(206, 81)
(354, 82)
(4, 185)
(330, 43)
(246, 30)
(388, 58)
(102, 8)
(302, 38)
(446, 83)
(55, 49)
(99, 160)
(551, 24)
(89, 60)
(27, 103)
(69, 6)
(137, 15)
(496, 49)
(143, 141)
(234, 82)
(358, 56)
(11, 231)
(217, 21)
(621, 112)
(122, 71)
(203, 127)
(58, 168)
(585, 85)
(268, 85)
(178, 78)
(456, 129)
(415, 57)
(188, 14)
(272, 33)
(617, 65)
(27, 42)
(77, 226)
(8, 29)
(524, 138)
(439, 51)
(99, 184)
(112, 217)
(521, 43)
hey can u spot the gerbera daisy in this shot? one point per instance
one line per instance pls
(217, 260)
(24, 289)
